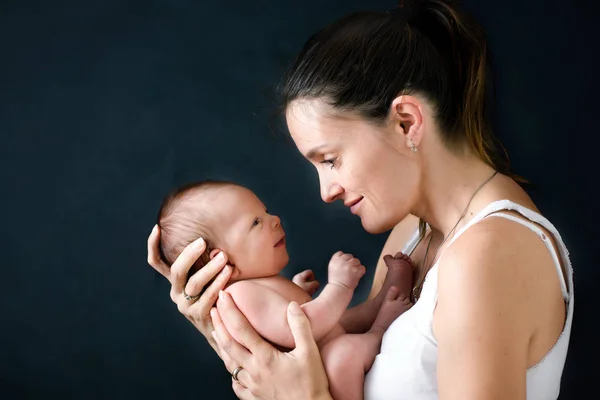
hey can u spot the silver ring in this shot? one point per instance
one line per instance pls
(235, 373)
(188, 297)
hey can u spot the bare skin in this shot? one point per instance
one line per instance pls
(254, 241)
(486, 339)
(479, 280)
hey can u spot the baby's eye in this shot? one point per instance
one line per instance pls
(256, 221)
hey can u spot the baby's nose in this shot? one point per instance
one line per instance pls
(275, 221)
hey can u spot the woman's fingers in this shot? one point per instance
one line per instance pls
(301, 330)
(154, 258)
(243, 376)
(233, 318)
(232, 353)
(182, 265)
(241, 392)
(211, 293)
(200, 279)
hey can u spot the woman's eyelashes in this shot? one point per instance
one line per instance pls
(329, 162)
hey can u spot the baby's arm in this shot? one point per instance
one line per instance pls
(360, 318)
(344, 274)
(266, 310)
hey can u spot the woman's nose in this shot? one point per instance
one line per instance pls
(330, 191)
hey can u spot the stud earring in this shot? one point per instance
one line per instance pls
(412, 146)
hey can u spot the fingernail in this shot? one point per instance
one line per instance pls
(220, 256)
(198, 243)
(226, 269)
(222, 295)
(154, 229)
(294, 308)
(214, 335)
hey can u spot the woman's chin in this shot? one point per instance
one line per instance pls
(375, 227)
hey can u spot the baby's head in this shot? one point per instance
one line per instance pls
(231, 219)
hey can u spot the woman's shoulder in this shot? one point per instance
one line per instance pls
(484, 272)
(503, 253)
(503, 231)
(501, 273)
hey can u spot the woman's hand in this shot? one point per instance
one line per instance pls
(196, 310)
(266, 372)
(306, 280)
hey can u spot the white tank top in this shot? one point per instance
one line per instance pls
(405, 368)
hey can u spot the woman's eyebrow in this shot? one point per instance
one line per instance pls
(313, 152)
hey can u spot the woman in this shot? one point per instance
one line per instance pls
(390, 108)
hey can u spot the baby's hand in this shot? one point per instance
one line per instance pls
(345, 270)
(306, 280)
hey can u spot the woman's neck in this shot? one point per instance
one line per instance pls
(448, 185)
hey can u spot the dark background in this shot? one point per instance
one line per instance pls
(107, 105)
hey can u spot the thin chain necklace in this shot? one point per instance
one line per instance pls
(417, 289)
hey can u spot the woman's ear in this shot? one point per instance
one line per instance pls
(407, 117)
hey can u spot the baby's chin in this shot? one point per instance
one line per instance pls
(279, 264)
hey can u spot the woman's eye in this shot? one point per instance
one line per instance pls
(330, 163)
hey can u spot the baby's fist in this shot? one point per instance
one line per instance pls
(306, 280)
(345, 270)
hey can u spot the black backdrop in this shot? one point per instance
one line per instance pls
(106, 105)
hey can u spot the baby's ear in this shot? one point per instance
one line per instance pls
(214, 252)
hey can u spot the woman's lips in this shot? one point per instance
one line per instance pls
(354, 207)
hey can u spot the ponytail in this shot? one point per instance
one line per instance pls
(462, 44)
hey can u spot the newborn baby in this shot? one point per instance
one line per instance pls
(233, 220)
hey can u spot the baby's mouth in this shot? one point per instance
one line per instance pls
(280, 243)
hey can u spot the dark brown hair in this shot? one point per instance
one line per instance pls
(363, 61)
(181, 222)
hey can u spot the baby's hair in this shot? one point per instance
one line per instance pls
(182, 221)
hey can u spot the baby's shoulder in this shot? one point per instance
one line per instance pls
(269, 286)
(245, 285)
(284, 287)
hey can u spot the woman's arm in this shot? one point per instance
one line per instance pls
(483, 320)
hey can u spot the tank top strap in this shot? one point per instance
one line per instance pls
(533, 220)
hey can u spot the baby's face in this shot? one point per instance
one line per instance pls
(253, 239)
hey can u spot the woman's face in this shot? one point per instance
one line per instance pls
(370, 168)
